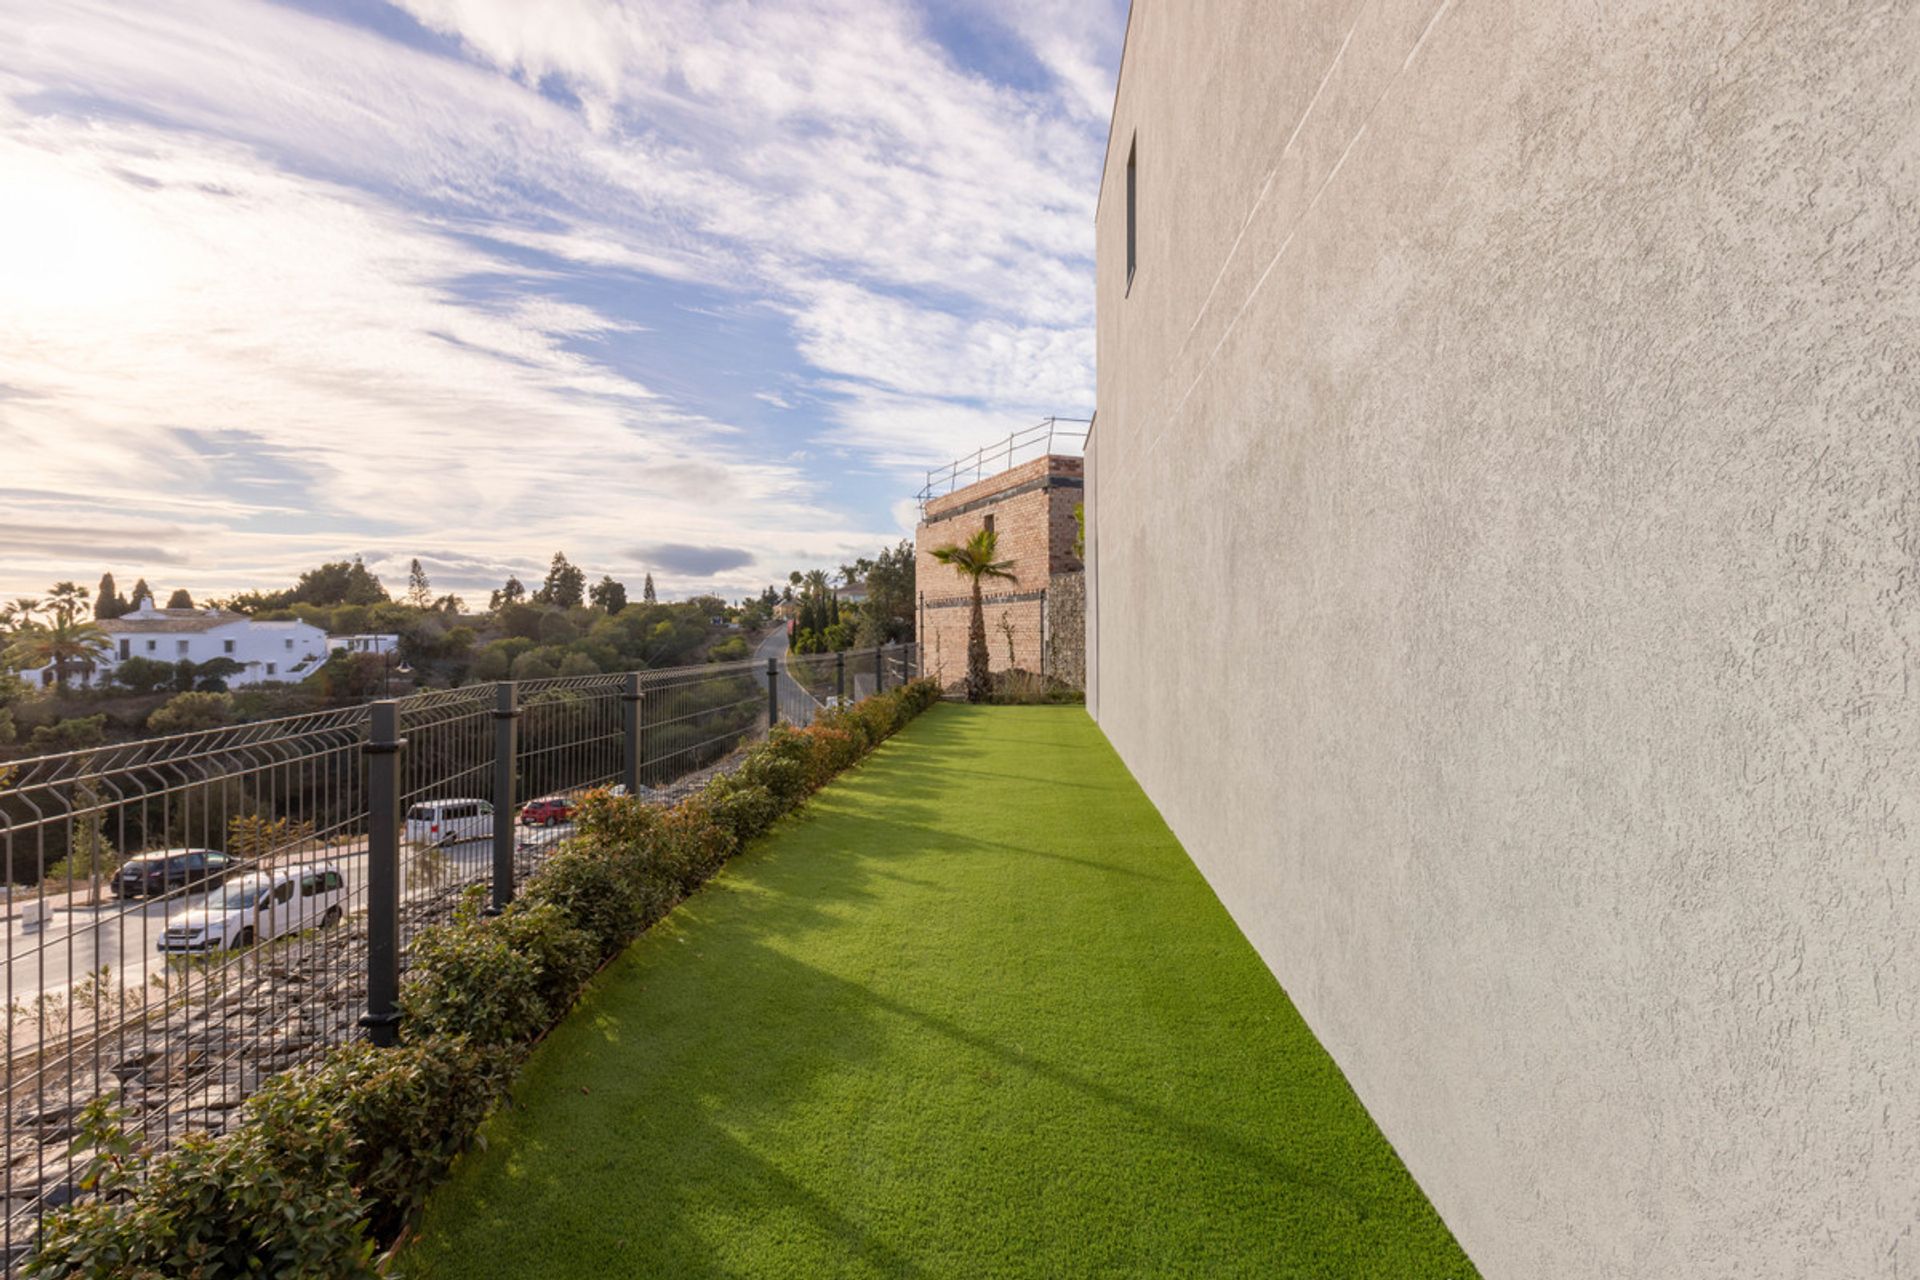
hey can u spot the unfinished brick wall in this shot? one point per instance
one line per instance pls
(943, 646)
(1031, 507)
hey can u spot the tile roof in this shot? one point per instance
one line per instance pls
(184, 620)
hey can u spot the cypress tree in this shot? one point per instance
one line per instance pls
(107, 603)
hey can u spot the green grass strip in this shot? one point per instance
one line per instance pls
(971, 1012)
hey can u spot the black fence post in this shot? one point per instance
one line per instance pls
(633, 734)
(773, 692)
(506, 759)
(840, 676)
(384, 745)
(879, 669)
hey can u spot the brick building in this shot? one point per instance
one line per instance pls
(1030, 507)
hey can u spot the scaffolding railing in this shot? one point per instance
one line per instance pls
(1066, 436)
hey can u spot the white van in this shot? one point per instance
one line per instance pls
(449, 821)
(259, 908)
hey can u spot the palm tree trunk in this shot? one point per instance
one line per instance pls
(979, 684)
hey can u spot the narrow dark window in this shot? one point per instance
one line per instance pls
(1133, 212)
(989, 524)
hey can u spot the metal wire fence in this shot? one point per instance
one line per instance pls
(188, 915)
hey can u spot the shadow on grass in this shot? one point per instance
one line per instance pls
(719, 1106)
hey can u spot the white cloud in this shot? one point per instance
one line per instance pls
(1078, 40)
(235, 222)
(913, 350)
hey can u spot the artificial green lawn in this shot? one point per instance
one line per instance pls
(970, 1012)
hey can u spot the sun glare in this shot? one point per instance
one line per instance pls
(71, 243)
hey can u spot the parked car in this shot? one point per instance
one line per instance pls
(546, 811)
(449, 821)
(259, 908)
(149, 874)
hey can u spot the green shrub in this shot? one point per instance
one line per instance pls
(1018, 688)
(692, 844)
(407, 1112)
(781, 765)
(319, 1157)
(265, 1200)
(843, 720)
(604, 818)
(495, 980)
(602, 892)
(73, 734)
(878, 716)
(834, 751)
(742, 811)
(564, 955)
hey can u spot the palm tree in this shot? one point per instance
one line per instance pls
(68, 640)
(18, 615)
(973, 560)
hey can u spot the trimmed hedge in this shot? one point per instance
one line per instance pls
(325, 1162)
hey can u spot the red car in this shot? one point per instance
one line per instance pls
(546, 811)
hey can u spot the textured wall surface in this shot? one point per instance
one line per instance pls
(1528, 395)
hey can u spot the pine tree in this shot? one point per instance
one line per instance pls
(419, 590)
(141, 591)
(609, 595)
(512, 593)
(566, 585)
(180, 599)
(646, 591)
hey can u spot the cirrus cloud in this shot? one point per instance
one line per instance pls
(498, 278)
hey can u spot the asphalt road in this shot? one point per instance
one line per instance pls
(796, 704)
(121, 936)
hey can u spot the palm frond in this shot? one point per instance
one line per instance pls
(974, 558)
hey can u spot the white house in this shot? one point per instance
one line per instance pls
(269, 651)
(371, 642)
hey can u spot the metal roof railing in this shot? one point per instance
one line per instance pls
(1048, 436)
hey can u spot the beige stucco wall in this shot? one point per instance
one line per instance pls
(1520, 401)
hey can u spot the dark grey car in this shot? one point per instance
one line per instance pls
(150, 874)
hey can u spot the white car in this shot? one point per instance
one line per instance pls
(259, 908)
(449, 821)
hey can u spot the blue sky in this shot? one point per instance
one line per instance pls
(673, 285)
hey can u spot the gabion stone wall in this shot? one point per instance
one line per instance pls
(1067, 629)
